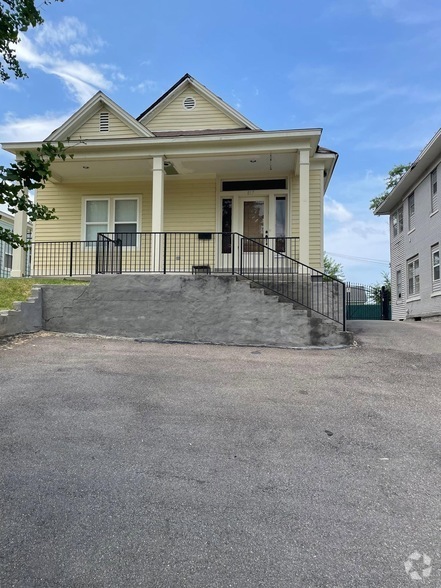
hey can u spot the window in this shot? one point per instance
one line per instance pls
(435, 264)
(8, 261)
(399, 285)
(280, 224)
(227, 207)
(413, 276)
(241, 185)
(411, 211)
(397, 221)
(434, 190)
(112, 215)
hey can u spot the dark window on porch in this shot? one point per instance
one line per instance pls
(227, 206)
(280, 224)
(234, 186)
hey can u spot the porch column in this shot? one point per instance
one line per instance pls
(304, 206)
(157, 212)
(19, 255)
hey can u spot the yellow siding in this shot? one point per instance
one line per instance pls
(67, 200)
(190, 205)
(91, 128)
(315, 219)
(315, 216)
(204, 115)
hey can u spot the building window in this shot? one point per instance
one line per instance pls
(281, 224)
(397, 222)
(411, 211)
(435, 264)
(112, 215)
(434, 190)
(399, 284)
(413, 276)
(227, 212)
(8, 261)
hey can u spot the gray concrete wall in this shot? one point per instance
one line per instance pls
(205, 309)
(25, 318)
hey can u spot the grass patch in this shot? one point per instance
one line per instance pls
(19, 289)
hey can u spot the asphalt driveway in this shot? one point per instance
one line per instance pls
(131, 464)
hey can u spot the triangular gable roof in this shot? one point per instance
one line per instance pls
(188, 80)
(81, 116)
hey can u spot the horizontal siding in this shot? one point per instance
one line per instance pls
(190, 206)
(67, 200)
(204, 116)
(315, 219)
(91, 128)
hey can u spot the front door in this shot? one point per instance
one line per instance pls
(253, 223)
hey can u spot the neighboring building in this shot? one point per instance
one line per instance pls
(6, 222)
(6, 251)
(415, 236)
(190, 162)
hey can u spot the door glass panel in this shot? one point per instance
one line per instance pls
(253, 223)
(280, 224)
(227, 207)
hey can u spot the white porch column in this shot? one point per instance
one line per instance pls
(19, 255)
(157, 212)
(304, 205)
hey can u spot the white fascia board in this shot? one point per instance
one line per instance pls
(410, 180)
(89, 109)
(288, 140)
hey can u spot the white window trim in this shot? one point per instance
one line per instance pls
(414, 295)
(433, 250)
(111, 199)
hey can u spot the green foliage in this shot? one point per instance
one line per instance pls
(16, 16)
(392, 180)
(19, 289)
(30, 172)
(376, 289)
(332, 268)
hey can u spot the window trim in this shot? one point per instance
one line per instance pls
(411, 206)
(399, 282)
(416, 284)
(434, 190)
(111, 213)
(435, 249)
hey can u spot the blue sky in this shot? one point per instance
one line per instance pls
(366, 71)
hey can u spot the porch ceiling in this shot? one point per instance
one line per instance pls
(82, 169)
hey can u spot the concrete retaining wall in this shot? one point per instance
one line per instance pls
(25, 318)
(205, 309)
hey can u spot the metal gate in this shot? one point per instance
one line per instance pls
(367, 303)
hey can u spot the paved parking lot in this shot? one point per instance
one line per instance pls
(131, 464)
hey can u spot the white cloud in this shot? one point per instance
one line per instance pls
(336, 210)
(33, 128)
(54, 49)
(145, 86)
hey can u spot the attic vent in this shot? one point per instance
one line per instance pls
(104, 122)
(189, 103)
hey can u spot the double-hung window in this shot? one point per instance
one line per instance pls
(434, 190)
(117, 216)
(397, 222)
(413, 276)
(411, 211)
(435, 267)
(399, 285)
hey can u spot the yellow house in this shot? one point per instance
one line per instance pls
(189, 186)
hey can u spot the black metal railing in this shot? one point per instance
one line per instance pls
(108, 255)
(264, 261)
(292, 280)
(62, 258)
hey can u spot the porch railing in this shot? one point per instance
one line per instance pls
(270, 262)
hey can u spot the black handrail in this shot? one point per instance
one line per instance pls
(292, 280)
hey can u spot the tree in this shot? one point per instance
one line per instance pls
(16, 16)
(376, 289)
(395, 175)
(332, 268)
(32, 169)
